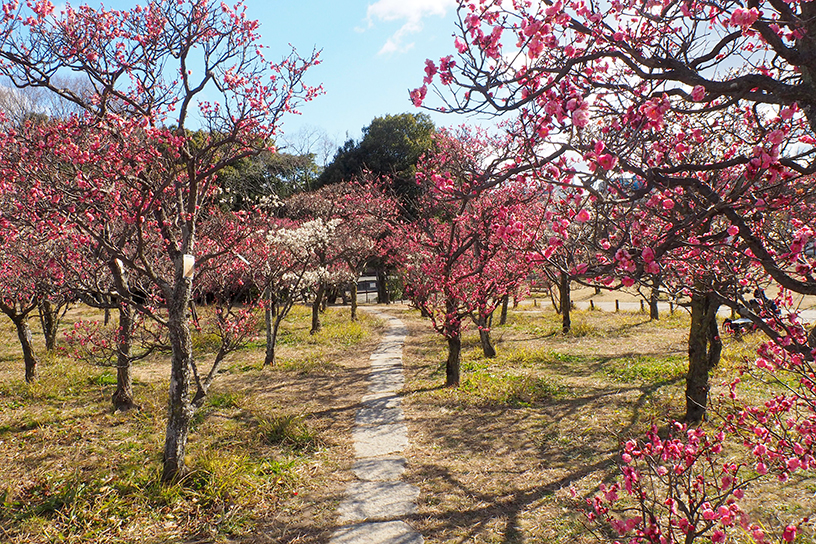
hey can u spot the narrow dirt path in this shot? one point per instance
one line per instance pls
(377, 502)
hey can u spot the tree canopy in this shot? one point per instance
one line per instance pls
(391, 146)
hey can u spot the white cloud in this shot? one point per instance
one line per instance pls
(413, 12)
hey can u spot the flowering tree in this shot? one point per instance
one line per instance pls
(347, 222)
(456, 253)
(149, 68)
(645, 87)
(29, 271)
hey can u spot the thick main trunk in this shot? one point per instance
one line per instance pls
(484, 337)
(26, 343)
(566, 303)
(705, 348)
(122, 398)
(654, 313)
(316, 309)
(49, 318)
(382, 287)
(180, 407)
(270, 312)
(504, 306)
(452, 364)
(354, 300)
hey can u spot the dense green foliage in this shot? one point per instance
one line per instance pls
(390, 147)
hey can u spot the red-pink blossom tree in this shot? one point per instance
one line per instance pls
(149, 69)
(456, 252)
(639, 89)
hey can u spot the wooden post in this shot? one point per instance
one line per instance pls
(642, 308)
(591, 304)
(671, 307)
(617, 305)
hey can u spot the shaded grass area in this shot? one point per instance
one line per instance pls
(71, 470)
(499, 458)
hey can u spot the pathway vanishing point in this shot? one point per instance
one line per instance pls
(377, 501)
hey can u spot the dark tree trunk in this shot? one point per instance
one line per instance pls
(26, 343)
(316, 309)
(123, 396)
(654, 313)
(452, 365)
(504, 306)
(484, 336)
(353, 300)
(180, 406)
(705, 348)
(270, 313)
(49, 319)
(565, 302)
(382, 287)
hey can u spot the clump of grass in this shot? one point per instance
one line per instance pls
(106, 378)
(582, 328)
(304, 365)
(538, 357)
(345, 333)
(290, 431)
(205, 342)
(645, 368)
(224, 399)
(511, 390)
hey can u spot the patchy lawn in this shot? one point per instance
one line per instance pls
(270, 451)
(496, 459)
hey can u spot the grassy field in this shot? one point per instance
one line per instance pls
(271, 450)
(496, 459)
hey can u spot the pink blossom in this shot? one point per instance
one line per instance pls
(776, 137)
(698, 93)
(648, 254)
(787, 114)
(789, 534)
(583, 216)
(580, 117)
(744, 18)
(418, 95)
(733, 230)
(718, 536)
(460, 45)
(627, 281)
(607, 161)
(668, 204)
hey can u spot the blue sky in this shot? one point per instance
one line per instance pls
(373, 53)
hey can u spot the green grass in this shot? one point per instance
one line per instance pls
(290, 431)
(508, 389)
(646, 369)
(77, 472)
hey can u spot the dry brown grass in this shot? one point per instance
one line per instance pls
(269, 452)
(496, 458)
